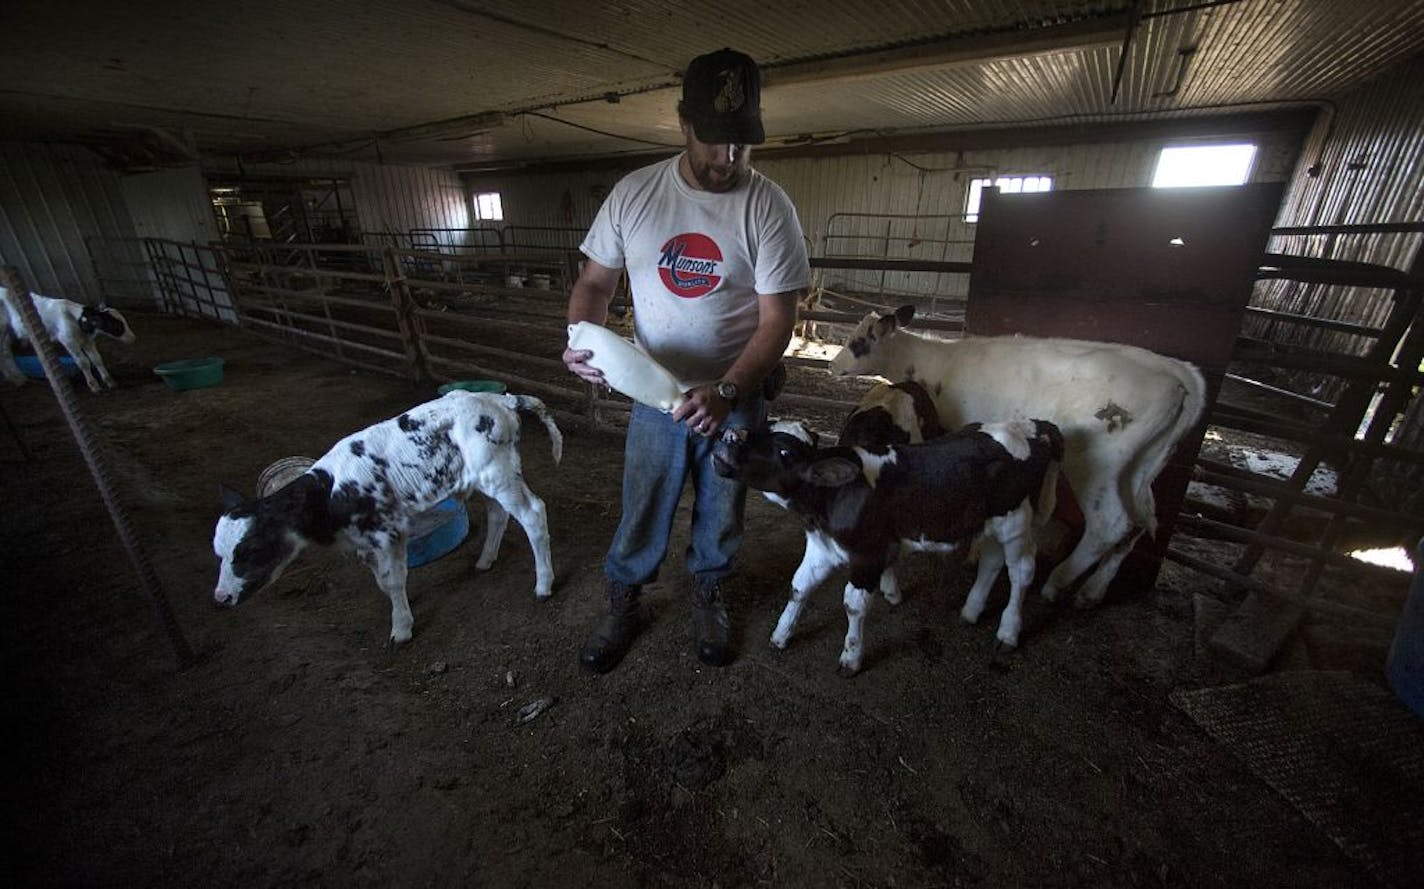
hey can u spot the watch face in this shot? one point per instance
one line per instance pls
(727, 390)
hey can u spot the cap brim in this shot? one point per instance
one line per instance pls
(730, 131)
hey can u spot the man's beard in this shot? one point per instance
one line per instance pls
(710, 177)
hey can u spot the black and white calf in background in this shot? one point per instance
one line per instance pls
(73, 325)
(861, 505)
(364, 492)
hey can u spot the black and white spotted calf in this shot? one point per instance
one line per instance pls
(73, 325)
(861, 505)
(364, 492)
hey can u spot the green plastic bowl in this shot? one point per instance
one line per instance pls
(494, 386)
(194, 373)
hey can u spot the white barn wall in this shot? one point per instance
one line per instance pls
(929, 184)
(171, 204)
(549, 202)
(53, 198)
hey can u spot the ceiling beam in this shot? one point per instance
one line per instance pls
(951, 51)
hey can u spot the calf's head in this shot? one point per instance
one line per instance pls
(778, 459)
(869, 347)
(110, 322)
(255, 540)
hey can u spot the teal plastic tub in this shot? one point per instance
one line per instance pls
(494, 386)
(194, 373)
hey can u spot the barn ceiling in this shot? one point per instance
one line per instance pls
(480, 83)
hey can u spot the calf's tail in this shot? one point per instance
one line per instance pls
(1152, 458)
(531, 405)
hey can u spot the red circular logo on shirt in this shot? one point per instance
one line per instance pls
(690, 265)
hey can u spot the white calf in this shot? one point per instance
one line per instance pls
(1122, 410)
(364, 492)
(73, 325)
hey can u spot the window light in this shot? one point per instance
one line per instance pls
(1189, 166)
(488, 206)
(1005, 184)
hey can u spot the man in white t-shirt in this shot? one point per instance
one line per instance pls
(716, 261)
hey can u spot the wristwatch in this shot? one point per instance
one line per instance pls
(727, 391)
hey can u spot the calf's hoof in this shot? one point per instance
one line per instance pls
(400, 635)
(848, 671)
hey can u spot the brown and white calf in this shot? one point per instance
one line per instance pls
(1122, 411)
(364, 492)
(891, 413)
(73, 325)
(862, 505)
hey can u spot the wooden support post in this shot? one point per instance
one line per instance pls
(406, 321)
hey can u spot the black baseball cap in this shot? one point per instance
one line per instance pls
(721, 97)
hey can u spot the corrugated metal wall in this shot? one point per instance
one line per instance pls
(53, 197)
(1370, 157)
(1364, 163)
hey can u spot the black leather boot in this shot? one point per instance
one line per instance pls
(615, 634)
(711, 629)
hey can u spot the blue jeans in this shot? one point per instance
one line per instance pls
(659, 457)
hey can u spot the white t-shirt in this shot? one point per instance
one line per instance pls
(696, 261)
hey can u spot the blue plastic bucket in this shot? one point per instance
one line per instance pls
(437, 532)
(1405, 666)
(30, 366)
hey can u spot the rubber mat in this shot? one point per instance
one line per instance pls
(1346, 753)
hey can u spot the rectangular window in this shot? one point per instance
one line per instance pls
(488, 206)
(1005, 184)
(1189, 166)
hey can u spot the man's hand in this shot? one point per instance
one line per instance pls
(703, 410)
(576, 360)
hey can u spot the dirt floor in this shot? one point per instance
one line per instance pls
(300, 750)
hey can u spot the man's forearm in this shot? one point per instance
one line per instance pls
(587, 304)
(763, 351)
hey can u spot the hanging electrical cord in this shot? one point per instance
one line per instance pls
(98, 466)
